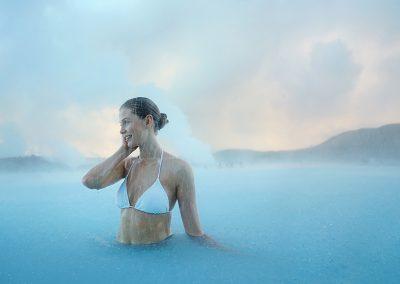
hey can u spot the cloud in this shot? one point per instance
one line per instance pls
(321, 85)
(94, 132)
(11, 142)
(252, 74)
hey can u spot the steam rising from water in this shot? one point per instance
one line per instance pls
(76, 132)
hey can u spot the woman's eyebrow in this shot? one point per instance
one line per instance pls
(123, 119)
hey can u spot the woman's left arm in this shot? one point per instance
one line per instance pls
(187, 201)
(186, 196)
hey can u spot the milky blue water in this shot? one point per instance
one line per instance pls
(283, 224)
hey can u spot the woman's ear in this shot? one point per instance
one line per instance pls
(148, 120)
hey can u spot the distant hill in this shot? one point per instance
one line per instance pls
(32, 163)
(363, 146)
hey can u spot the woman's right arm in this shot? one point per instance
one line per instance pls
(109, 171)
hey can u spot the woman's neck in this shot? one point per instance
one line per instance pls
(150, 149)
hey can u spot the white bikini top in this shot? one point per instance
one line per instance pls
(153, 200)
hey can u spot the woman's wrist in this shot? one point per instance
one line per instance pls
(124, 151)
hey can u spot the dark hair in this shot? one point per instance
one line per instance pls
(142, 106)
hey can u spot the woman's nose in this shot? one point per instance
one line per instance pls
(122, 131)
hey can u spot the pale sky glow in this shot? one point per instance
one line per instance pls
(264, 75)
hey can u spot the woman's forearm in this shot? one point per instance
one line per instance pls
(100, 175)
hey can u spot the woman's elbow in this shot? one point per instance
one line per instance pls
(89, 182)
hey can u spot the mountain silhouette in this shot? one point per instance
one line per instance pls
(362, 146)
(32, 163)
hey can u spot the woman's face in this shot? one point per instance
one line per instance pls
(132, 127)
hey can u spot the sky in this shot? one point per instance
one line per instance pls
(262, 75)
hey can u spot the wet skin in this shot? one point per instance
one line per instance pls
(138, 227)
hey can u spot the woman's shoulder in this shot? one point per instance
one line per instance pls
(179, 170)
(175, 162)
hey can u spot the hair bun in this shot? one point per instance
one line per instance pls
(163, 120)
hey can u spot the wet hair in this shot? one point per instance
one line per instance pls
(142, 106)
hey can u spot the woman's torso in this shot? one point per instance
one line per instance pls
(138, 227)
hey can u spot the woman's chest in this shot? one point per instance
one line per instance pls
(146, 177)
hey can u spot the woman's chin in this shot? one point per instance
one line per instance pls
(131, 145)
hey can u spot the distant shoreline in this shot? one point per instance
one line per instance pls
(364, 147)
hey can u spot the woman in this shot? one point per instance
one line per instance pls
(154, 181)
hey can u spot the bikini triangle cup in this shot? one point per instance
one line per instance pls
(153, 200)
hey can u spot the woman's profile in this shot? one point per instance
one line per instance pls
(153, 182)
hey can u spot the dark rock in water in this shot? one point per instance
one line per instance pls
(367, 146)
(30, 163)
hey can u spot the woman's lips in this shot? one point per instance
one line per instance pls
(127, 137)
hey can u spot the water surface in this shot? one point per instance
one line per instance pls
(319, 224)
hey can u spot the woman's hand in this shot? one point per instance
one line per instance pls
(209, 242)
(127, 149)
